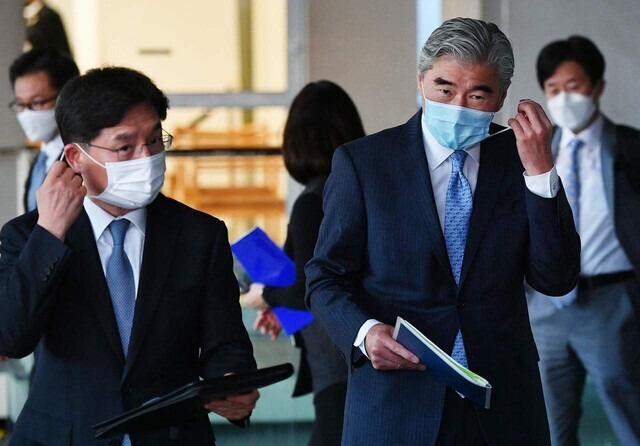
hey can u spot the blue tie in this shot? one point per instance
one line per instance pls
(458, 206)
(38, 175)
(572, 190)
(121, 287)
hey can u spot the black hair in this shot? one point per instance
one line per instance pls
(58, 65)
(100, 98)
(321, 118)
(577, 49)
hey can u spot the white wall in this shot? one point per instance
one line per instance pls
(368, 48)
(11, 137)
(611, 24)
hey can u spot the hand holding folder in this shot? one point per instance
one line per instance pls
(442, 367)
(266, 263)
(188, 401)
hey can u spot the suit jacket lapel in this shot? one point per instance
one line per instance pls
(416, 171)
(161, 238)
(607, 155)
(81, 239)
(492, 167)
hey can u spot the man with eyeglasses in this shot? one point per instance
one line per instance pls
(36, 79)
(124, 294)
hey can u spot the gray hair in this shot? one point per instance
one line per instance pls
(470, 41)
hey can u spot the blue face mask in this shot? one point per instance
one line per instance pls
(455, 127)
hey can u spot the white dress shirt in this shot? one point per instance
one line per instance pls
(133, 241)
(53, 149)
(601, 249)
(544, 185)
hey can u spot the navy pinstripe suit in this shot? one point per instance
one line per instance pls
(381, 254)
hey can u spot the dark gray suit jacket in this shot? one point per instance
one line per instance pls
(620, 163)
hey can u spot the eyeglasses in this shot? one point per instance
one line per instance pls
(127, 151)
(17, 107)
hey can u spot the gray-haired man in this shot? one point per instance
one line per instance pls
(438, 222)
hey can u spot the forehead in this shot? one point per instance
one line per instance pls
(138, 122)
(37, 82)
(462, 74)
(567, 71)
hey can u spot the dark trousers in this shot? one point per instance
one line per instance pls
(329, 405)
(459, 425)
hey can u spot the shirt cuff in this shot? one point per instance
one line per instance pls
(545, 185)
(362, 333)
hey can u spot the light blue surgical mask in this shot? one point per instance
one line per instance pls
(456, 127)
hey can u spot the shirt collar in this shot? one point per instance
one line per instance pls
(100, 219)
(53, 148)
(589, 136)
(438, 154)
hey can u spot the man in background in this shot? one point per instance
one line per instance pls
(592, 330)
(36, 79)
(44, 28)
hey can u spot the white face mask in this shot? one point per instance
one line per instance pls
(571, 110)
(38, 125)
(132, 184)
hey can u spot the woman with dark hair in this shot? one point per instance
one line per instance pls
(321, 118)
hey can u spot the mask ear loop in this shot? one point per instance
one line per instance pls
(504, 110)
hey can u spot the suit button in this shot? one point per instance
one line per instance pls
(54, 260)
(461, 305)
(43, 277)
(48, 270)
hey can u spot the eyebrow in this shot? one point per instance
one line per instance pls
(553, 84)
(480, 87)
(439, 81)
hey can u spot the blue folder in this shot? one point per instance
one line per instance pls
(441, 366)
(266, 263)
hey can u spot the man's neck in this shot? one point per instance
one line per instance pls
(109, 208)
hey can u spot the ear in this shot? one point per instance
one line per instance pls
(73, 155)
(598, 90)
(421, 88)
(503, 95)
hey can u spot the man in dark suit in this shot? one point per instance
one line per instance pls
(592, 330)
(36, 78)
(123, 293)
(437, 223)
(44, 28)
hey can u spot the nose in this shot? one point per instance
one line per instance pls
(143, 151)
(460, 101)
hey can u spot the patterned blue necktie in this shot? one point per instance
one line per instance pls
(38, 174)
(121, 287)
(458, 206)
(572, 190)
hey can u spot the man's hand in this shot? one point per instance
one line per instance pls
(59, 199)
(235, 407)
(267, 323)
(385, 353)
(533, 137)
(253, 298)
